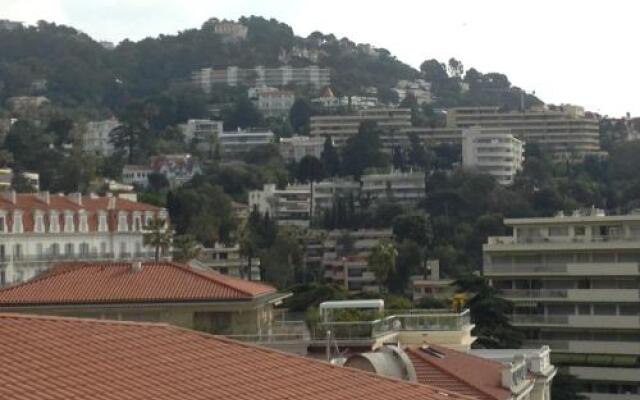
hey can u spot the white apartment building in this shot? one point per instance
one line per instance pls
(419, 89)
(492, 151)
(297, 147)
(96, 137)
(565, 132)
(313, 75)
(403, 187)
(136, 175)
(242, 141)
(7, 175)
(288, 206)
(329, 101)
(391, 121)
(274, 102)
(345, 258)
(177, 168)
(327, 191)
(230, 30)
(430, 284)
(575, 283)
(203, 133)
(38, 230)
(227, 260)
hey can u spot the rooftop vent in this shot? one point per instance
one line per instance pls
(136, 266)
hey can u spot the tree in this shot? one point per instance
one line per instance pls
(433, 71)
(310, 169)
(417, 155)
(185, 248)
(158, 235)
(330, 158)
(299, 115)
(414, 226)
(243, 114)
(364, 150)
(456, 69)
(382, 261)
(408, 263)
(132, 136)
(490, 314)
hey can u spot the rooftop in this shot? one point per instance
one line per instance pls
(68, 358)
(119, 282)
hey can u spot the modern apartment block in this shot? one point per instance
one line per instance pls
(492, 151)
(575, 283)
(37, 230)
(96, 138)
(274, 102)
(392, 122)
(297, 147)
(345, 258)
(288, 206)
(202, 132)
(242, 141)
(398, 186)
(313, 75)
(565, 132)
(227, 260)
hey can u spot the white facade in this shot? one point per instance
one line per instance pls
(419, 89)
(289, 206)
(575, 284)
(313, 75)
(402, 187)
(297, 147)
(202, 132)
(242, 141)
(96, 137)
(227, 260)
(137, 175)
(275, 103)
(492, 151)
(38, 230)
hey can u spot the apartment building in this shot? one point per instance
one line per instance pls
(328, 101)
(288, 206)
(326, 192)
(203, 133)
(565, 132)
(575, 283)
(346, 258)
(297, 147)
(96, 137)
(492, 151)
(398, 186)
(178, 169)
(229, 30)
(274, 102)
(392, 122)
(312, 75)
(37, 230)
(7, 175)
(418, 89)
(227, 260)
(430, 284)
(238, 142)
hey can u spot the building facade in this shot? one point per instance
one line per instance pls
(203, 133)
(37, 230)
(288, 206)
(418, 89)
(575, 284)
(238, 142)
(227, 260)
(297, 147)
(312, 75)
(492, 151)
(178, 169)
(392, 122)
(96, 138)
(397, 186)
(274, 102)
(565, 133)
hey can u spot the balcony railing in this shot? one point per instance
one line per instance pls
(48, 259)
(534, 293)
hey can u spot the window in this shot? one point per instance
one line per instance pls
(68, 222)
(123, 249)
(68, 249)
(39, 250)
(2, 225)
(17, 222)
(558, 231)
(39, 223)
(579, 230)
(103, 248)
(137, 222)
(84, 249)
(604, 309)
(102, 222)
(2, 253)
(54, 222)
(17, 252)
(84, 225)
(54, 249)
(122, 222)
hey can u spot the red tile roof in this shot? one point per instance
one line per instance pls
(460, 372)
(116, 282)
(69, 358)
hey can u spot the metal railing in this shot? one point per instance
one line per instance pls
(535, 293)
(540, 319)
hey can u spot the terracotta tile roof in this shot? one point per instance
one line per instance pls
(116, 282)
(460, 372)
(69, 358)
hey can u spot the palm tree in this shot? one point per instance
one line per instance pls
(186, 248)
(382, 261)
(158, 235)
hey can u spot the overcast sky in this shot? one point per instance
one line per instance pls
(580, 52)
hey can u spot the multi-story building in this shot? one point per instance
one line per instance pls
(566, 132)
(227, 260)
(326, 192)
(402, 187)
(96, 138)
(274, 102)
(242, 141)
(313, 75)
(575, 284)
(178, 169)
(430, 285)
(203, 133)
(37, 230)
(230, 30)
(7, 175)
(328, 101)
(391, 121)
(297, 147)
(288, 206)
(492, 151)
(136, 175)
(419, 89)
(346, 258)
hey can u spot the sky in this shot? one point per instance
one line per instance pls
(566, 51)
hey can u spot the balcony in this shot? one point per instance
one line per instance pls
(571, 269)
(578, 321)
(574, 295)
(608, 242)
(587, 346)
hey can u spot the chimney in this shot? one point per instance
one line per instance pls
(10, 196)
(44, 197)
(92, 195)
(76, 198)
(136, 266)
(111, 203)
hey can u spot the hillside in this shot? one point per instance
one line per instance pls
(80, 73)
